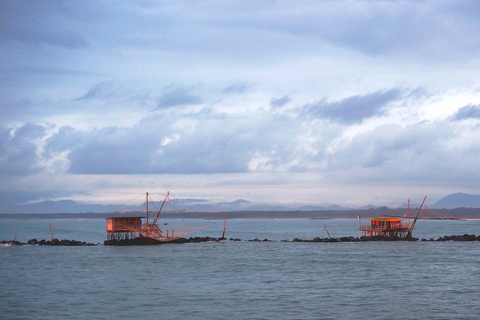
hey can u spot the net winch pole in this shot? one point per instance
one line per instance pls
(158, 213)
(409, 234)
(327, 231)
(408, 214)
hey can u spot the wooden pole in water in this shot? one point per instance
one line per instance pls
(224, 224)
(16, 235)
(51, 232)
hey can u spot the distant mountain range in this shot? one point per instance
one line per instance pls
(70, 206)
(452, 201)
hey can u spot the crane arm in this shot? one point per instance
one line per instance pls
(409, 234)
(158, 213)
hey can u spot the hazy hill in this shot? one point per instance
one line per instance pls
(70, 206)
(458, 200)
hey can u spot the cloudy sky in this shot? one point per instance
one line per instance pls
(284, 102)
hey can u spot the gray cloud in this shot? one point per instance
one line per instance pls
(56, 56)
(145, 149)
(102, 90)
(16, 197)
(235, 88)
(67, 138)
(35, 22)
(280, 102)
(251, 31)
(354, 109)
(376, 28)
(215, 144)
(424, 153)
(467, 112)
(18, 152)
(178, 97)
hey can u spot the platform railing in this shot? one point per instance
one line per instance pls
(374, 228)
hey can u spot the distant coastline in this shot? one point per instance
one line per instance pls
(469, 213)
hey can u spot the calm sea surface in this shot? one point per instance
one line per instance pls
(240, 280)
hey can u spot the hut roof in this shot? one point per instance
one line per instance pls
(125, 218)
(386, 219)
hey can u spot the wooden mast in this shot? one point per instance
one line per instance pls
(146, 209)
(408, 214)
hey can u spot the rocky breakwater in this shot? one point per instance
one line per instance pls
(146, 241)
(356, 239)
(465, 237)
(149, 241)
(54, 242)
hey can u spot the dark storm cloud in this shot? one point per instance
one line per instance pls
(178, 97)
(18, 153)
(467, 112)
(354, 109)
(280, 102)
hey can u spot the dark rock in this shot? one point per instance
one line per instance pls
(347, 239)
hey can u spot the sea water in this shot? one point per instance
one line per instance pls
(240, 279)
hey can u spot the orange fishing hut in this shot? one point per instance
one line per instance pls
(390, 226)
(385, 226)
(136, 227)
(124, 228)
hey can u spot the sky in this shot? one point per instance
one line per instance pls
(283, 102)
